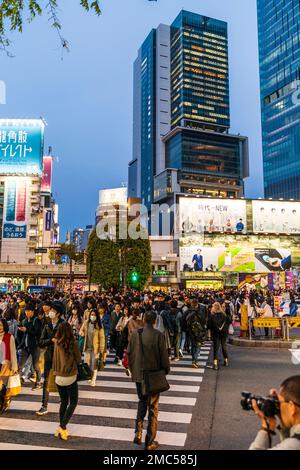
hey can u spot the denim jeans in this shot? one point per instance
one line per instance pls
(195, 351)
(35, 355)
(182, 340)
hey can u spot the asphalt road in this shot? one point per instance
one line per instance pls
(219, 423)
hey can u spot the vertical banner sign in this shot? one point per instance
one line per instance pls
(270, 281)
(277, 302)
(48, 221)
(47, 175)
(244, 319)
(11, 193)
(298, 279)
(15, 214)
(276, 281)
(289, 280)
(282, 280)
(21, 201)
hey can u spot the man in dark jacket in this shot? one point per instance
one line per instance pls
(196, 320)
(31, 328)
(49, 331)
(154, 358)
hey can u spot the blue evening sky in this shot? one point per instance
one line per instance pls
(86, 98)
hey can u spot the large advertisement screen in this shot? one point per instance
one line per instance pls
(198, 215)
(234, 259)
(276, 217)
(21, 146)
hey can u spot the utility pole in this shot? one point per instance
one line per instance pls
(71, 275)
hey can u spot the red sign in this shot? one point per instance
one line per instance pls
(47, 175)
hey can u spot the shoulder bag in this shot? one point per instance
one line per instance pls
(154, 382)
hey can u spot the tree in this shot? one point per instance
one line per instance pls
(110, 261)
(103, 263)
(139, 263)
(15, 13)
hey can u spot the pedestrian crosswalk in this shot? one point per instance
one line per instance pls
(105, 416)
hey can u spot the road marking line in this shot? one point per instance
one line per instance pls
(130, 397)
(9, 446)
(121, 413)
(90, 431)
(171, 377)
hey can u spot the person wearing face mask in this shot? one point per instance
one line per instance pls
(8, 362)
(75, 319)
(55, 312)
(94, 342)
(288, 414)
(90, 306)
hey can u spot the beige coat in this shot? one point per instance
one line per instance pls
(98, 338)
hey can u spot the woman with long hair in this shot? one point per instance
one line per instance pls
(75, 318)
(8, 362)
(219, 324)
(65, 368)
(94, 342)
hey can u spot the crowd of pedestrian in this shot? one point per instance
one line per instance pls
(43, 340)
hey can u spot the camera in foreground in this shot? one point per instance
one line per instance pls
(268, 405)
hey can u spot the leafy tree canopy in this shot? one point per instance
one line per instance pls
(15, 13)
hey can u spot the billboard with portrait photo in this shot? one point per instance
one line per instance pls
(198, 215)
(276, 217)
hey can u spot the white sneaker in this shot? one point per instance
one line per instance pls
(176, 359)
(119, 362)
(93, 383)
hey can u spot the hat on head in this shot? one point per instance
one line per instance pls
(58, 307)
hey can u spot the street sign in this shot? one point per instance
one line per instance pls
(40, 250)
(266, 323)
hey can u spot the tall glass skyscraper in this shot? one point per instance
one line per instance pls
(199, 72)
(279, 52)
(181, 121)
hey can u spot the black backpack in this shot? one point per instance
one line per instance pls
(196, 327)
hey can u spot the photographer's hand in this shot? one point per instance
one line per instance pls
(266, 423)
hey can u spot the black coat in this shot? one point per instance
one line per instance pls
(46, 340)
(155, 353)
(33, 333)
(217, 320)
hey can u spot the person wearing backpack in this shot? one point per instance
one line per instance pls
(196, 328)
(219, 325)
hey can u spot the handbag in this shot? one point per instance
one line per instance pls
(13, 387)
(84, 372)
(125, 360)
(51, 387)
(81, 343)
(231, 329)
(154, 382)
(100, 364)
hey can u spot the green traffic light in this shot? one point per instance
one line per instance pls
(134, 277)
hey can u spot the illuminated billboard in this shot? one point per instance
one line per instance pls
(113, 196)
(198, 215)
(234, 259)
(21, 146)
(276, 217)
(46, 183)
(14, 226)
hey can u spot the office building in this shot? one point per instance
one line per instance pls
(279, 53)
(181, 140)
